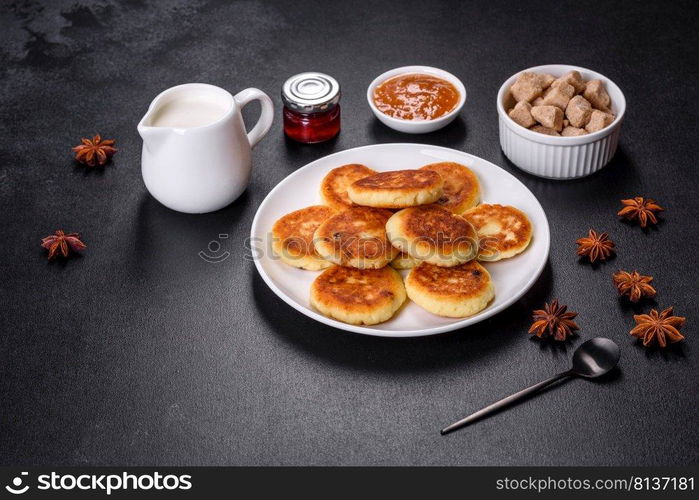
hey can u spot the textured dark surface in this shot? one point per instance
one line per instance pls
(140, 352)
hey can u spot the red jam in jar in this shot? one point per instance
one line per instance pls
(311, 107)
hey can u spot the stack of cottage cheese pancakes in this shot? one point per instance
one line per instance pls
(427, 220)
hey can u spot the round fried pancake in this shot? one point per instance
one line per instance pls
(397, 189)
(461, 187)
(504, 231)
(358, 296)
(356, 238)
(404, 261)
(455, 292)
(333, 188)
(292, 237)
(433, 234)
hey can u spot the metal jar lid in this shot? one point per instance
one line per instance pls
(311, 92)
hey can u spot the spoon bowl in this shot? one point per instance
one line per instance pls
(595, 357)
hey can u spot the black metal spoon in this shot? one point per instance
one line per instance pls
(592, 359)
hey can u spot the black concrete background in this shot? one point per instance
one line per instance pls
(140, 352)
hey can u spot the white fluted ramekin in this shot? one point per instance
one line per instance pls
(560, 157)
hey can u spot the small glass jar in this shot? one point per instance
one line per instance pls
(311, 107)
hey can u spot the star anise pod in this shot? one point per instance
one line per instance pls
(62, 243)
(661, 327)
(553, 320)
(633, 285)
(595, 246)
(94, 152)
(641, 209)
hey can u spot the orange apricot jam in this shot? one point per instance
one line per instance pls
(416, 96)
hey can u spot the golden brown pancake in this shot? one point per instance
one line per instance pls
(292, 237)
(356, 238)
(333, 188)
(455, 292)
(503, 231)
(404, 261)
(461, 187)
(433, 234)
(397, 189)
(358, 296)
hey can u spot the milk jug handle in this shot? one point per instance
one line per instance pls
(266, 116)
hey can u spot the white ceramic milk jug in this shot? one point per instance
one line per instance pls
(196, 154)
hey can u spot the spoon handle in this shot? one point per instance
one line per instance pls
(504, 402)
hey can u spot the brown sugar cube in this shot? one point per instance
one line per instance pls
(565, 122)
(522, 114)
(549, 116)
(573, 78)
(544, 130)
(598, 120)
(578, 111)
(527, 87)
(539, 101)
(572, 131)
(597, 95)
(508, 101)
(546, 80)
(559, 96)
(565, 88)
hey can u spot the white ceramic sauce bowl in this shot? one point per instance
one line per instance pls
(416, 126)
(560, 157)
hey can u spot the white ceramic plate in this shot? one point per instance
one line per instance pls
(512, 277)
